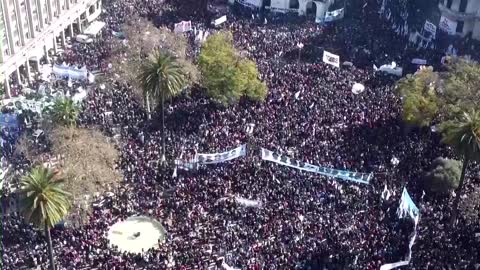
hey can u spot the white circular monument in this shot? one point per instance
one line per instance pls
(136, 233)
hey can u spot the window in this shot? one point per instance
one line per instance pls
(294, 4)
(91, 10)
(463, 6)
(460, 27)
(449, 3)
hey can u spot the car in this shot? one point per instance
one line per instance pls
(84, 39)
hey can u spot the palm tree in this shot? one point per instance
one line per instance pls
(44, 202)
(463, 134)
(161, 77)
(65, 112)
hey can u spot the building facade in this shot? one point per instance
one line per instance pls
(465, 15)
(31, 29)
(314, 8)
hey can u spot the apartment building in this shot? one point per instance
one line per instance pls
(463, 16)
(30, 29)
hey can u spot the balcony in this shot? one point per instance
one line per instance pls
(456, 15)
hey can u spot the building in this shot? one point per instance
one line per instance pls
(319, 9)
(463, 16)
(31, 29)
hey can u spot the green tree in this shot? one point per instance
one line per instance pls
(65, 112)
(440, 96)
(44, 202)
(160, 78)
(463, 134)
(461, 91)
(419, 97)
(142, 38)
(444, 176)
(226, 75)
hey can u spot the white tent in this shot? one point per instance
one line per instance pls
(94, 28)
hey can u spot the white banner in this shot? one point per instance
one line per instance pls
(182, 26)
(431, 28)
(286, 161)
(250, 3)
(334, 15)
(331, 59)
(418, 61)
(222, 157)
(220, 20)
(407, 206)
(447, 25)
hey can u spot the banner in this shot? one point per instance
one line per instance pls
(334, 15)
(222, 157)
(220, 20)
(407, 206)
(286, 161)
(331, 59)
(447, 25)
(250, 3)
(182, 26)
(431, 28)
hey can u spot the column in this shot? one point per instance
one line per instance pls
(45, 51)
(7, 87)
(27, 65)
(37, 65)
(55, 44)
(79, 25)
(70, 28)
(62, 36)
(19, 78)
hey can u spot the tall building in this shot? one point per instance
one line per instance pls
(463, 16)
(32, 28)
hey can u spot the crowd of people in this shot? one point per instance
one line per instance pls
(305, 221)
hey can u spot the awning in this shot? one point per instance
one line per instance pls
(94, 28)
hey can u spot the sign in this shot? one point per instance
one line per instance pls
(220, 20)
(183, 26)
(331, 59)
(250, 3)
(447, 25)
(286, 161)
(431, 28)
(222, 157)
(418, 61)
(334, 15)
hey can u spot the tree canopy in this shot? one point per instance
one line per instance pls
(143, 38)
(65, 112)
(444, 176)
(430, 96)
(226, 75)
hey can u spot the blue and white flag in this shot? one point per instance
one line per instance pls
(407, 206)
(362, 178)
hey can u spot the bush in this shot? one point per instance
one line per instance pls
(444, 176)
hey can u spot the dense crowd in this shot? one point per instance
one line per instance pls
(306, 221)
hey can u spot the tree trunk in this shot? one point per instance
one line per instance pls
(147, 105)
(50, 248)
(163, 128)
(466, 161)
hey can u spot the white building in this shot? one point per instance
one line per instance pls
(463, 15)
(315, 8)
(32, 28)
